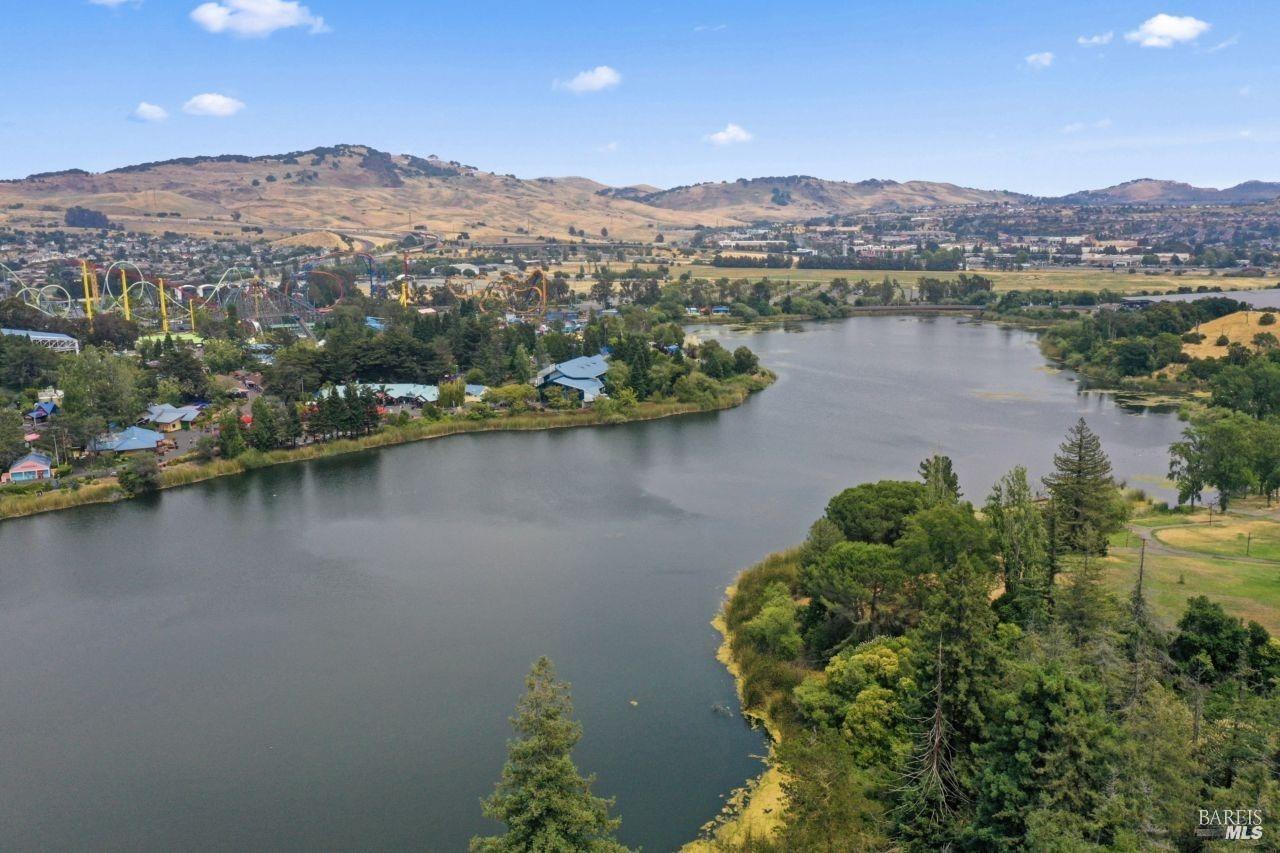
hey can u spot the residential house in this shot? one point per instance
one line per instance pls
(42, 412)
(29, 468)
(581, 377)
(126, 441)
(167, 418)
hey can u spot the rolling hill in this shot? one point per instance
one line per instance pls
(356, 195)
(1149, 191)
(801, 197)
(351, 190)
(354, 191)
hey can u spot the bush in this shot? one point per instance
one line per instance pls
(1267, 319)
(1222, 341)
(773, 629)
(140, 474)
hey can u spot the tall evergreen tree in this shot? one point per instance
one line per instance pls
(940, 481)
(545, 803)
(1088, 504)
(1022, 544)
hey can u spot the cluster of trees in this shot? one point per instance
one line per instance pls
(1113, 345)
(948, 678)
(960, 289)
(1233, 446)
(926, 257)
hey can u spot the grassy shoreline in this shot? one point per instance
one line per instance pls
(108, 491)
(756, 809)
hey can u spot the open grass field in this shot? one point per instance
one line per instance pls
(1239, 328)
(1075, 280)
(1212, 563)
(1250, 591)
(1259, 538)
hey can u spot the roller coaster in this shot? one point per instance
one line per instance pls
(526, 299)
(122, 289)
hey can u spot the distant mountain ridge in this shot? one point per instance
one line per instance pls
(1149, 191)
(804, 196)
(359, 190)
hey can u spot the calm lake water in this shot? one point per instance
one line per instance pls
(325, 655)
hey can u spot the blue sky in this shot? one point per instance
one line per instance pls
(993, 94)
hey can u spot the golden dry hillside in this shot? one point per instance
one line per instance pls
(1239, 328)
(800, 197)
(351, 190)
(357, 191)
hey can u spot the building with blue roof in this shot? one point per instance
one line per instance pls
(581, 376)
(168, 418)
(28, 469)
(42, 412)
(126, 441)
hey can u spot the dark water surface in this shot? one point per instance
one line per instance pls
(325, 655)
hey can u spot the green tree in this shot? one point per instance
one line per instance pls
(1219, 450)
(940, 481)
(543, 800)
(1051, 749)
(774, 628)
(452, 394)
(12, 437)
(1021, 542)
(264, 432)
(139, 474)
(99, 389)
(1087, 502)
(858, 581)
(231, 441)
(875, 512)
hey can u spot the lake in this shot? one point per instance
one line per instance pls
(325, 655)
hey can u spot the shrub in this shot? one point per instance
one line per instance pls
(1222, 341)
(773, 629)
(140, 474)
(1267, 319)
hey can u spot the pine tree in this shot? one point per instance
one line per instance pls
(1022, 543)
(291, 429)
(543, 800)
(1088, 504)
(959, 624)
(940, 480)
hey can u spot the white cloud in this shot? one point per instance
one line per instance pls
(1246, 91)
(1225, 43)
(1096, 41)
(1081, 126)
(593, 80)
(256, 18)
(608, 147)
(212, 104)
(111, 4)
(710, 28)
(731, 135)
(1167, 30)
(150, 112)
(1040, 60)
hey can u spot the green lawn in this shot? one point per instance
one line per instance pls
(1246, 588)
(1233, 537)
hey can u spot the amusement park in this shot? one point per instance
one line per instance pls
(84, 290)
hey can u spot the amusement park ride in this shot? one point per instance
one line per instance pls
(123, 289)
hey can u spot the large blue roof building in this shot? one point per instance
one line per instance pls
(581, 376)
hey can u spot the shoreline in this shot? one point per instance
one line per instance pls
(755, 808)
(188, 473)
